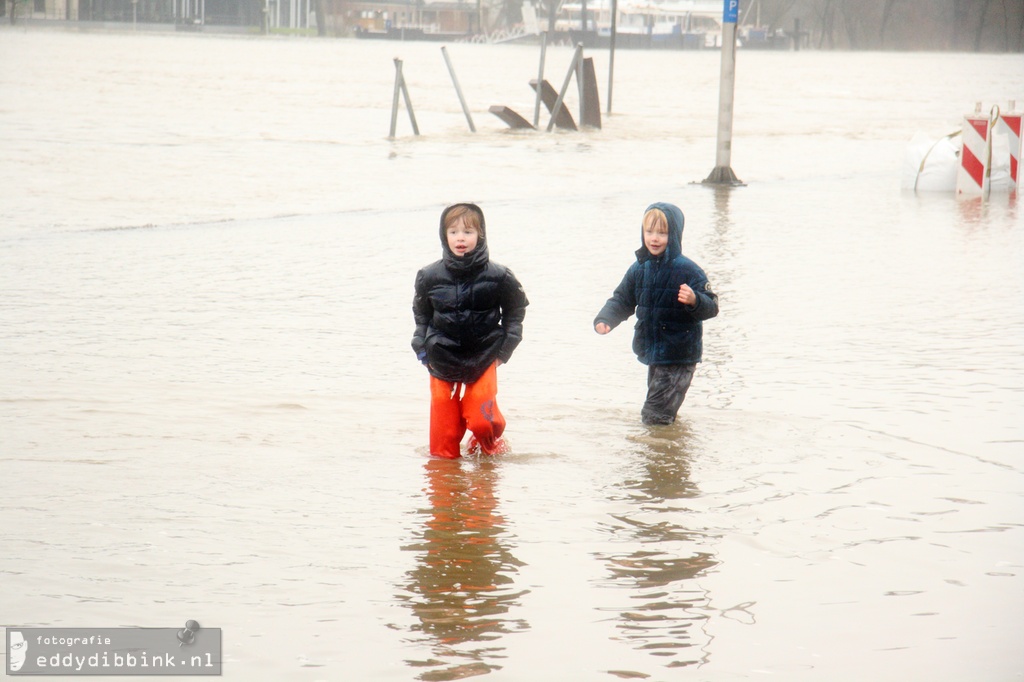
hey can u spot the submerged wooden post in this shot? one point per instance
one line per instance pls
(458, 90)
(565, 86)
(400, 87)
(722, 173)
(590, 107)
(510, 117)
(563, 119)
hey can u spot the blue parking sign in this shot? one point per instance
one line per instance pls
(731, 12)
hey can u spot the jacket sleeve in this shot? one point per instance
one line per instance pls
(622, 304)
(513, 312)
(422, 312)
(706, 306)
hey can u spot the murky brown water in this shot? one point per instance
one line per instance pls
(209, 408)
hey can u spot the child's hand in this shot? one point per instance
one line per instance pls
(602, 328)
(686, 295)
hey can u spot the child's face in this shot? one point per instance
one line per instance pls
(656, 238)
(461, 238)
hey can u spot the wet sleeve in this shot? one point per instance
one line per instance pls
(622, 304)
(422, 312)
(513, 312)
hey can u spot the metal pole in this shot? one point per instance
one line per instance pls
(579, 85)
(723, 173)
(400, 86)
(394, 100)
(727, 86)
(565, 86)
(408, 107)
(611, 51)
(540, 78)
(458, 90)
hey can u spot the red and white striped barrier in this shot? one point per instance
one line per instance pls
(986, 158)
(972, 179)
(1009, 124)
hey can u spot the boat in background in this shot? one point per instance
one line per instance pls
(673, 24)
(408, 33)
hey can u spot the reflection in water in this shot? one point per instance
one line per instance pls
(975, 210)
(462, 586)
(718, 374)
(667, 609)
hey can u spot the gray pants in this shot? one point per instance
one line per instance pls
(666, 389)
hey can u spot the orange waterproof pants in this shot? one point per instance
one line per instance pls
(476, 409)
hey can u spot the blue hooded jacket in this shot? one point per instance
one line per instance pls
(667, 332)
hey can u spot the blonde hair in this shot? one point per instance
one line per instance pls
(469, 217)
(655, 218)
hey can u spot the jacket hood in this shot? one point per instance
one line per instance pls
(476, 259)
(675, 219)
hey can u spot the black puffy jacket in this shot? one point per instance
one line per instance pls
(469, 312)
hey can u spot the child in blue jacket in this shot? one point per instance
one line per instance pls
(671, 296)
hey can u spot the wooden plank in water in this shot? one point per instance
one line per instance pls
(510, 117)
(548, 95)
(591, 101)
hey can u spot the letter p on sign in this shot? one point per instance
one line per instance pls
(731, 11)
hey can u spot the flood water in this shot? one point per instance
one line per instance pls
(209, 408)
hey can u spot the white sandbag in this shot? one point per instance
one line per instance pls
(930, 165)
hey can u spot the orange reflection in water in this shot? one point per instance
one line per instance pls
(463, 585)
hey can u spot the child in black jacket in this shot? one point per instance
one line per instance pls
(469, 315)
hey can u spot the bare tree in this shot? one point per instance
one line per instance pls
(886, 15)
(853, 18)
(980, 27)
(827, 23)
(1018, 42)
(320, 13)
(961, 12)
(775, 13)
